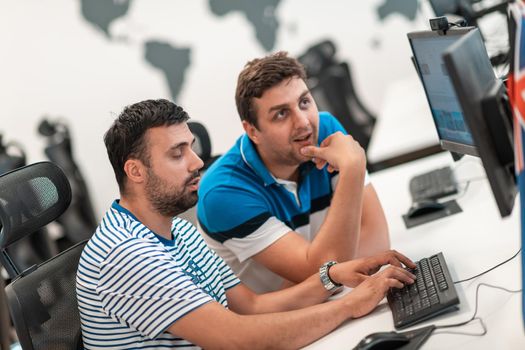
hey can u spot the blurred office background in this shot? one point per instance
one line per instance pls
(81, 61)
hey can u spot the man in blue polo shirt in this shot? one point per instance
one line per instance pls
(147, 280)
(293, 192)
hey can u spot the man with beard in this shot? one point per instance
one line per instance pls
(148, 280)
(271, 213)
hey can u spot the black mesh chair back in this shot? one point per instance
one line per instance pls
(42, 299)
(202, 145)
(332, 87)
(30, 198)
(333, 91)
(78, 221)
(43, 304)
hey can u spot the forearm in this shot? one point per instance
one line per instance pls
(307, 293)
(295, 329)
(286, 330)
(374, 236)
(338, 237)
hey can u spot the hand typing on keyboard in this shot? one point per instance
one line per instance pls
(432, 294)
(365, 297)
(352, 273)
(371, 285)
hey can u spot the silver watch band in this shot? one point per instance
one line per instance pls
(327, 282)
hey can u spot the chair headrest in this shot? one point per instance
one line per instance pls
(318, 57)
(30, 198)
(202, 144)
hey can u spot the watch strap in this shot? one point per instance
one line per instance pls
(329, 284)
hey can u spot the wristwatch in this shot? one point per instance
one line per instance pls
(327, 282)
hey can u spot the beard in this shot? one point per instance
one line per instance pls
(168, 200)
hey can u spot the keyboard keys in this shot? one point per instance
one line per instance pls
(424, 298)
(433, 184)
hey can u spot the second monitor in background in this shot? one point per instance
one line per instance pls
(484, 101)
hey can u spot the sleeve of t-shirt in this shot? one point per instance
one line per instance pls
(227, 276)
(227, 212)
(140, 286)
(240, 219)
(186, 228)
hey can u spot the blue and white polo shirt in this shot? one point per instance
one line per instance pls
(243, 208)
(133, 284)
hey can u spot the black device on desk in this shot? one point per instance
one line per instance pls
(426, 189)
(483, 99)
(432, 294)
(382, 341)
(433, 185)
(407, 340)
(424, 207)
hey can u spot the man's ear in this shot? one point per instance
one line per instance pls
(135, 170)
(252, 131)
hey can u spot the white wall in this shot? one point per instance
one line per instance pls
(52, 62)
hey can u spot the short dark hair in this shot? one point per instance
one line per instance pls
(125, 137)
(260, 75)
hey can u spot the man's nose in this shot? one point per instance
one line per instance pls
(301, 119)
(196, 162)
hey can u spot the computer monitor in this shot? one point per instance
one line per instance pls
(428, 48)
(485, 106)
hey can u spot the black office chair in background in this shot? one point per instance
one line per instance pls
(28, 251)
(79, 221)
(42, 299)
(202, 145)
(332, 87)
(37, 247)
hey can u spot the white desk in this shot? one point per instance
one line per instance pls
(404, 124)
(471, 241)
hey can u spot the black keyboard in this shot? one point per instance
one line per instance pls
(432, 293)
(433, 184)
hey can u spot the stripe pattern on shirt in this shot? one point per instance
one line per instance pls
(132, 284)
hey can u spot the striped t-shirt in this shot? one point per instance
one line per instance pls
(133, 284)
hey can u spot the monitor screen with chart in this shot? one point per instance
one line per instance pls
(428, 48)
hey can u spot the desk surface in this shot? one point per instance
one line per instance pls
(404, 124)
(471, 242)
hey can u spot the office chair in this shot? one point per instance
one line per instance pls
(332, 88)
(41, 299)
(37, 247)
(78, 221)
(202, 145)
(5, 321)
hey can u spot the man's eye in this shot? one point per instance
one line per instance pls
(281, 114)
(305, 102)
